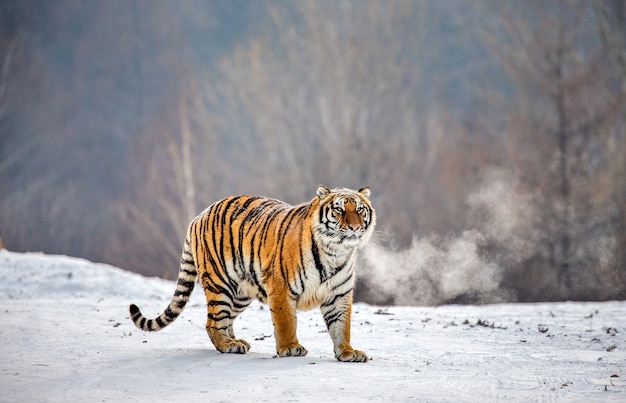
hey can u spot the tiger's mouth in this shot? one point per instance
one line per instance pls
(344, 236)
(351, 237)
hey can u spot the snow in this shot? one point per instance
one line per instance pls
(66, 336)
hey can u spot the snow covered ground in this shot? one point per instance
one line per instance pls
(65, 336)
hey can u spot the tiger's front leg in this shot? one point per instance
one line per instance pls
(336, 312)
(285, 323)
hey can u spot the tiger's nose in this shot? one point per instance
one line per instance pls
(354, 227)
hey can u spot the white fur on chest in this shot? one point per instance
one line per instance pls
(317, 291)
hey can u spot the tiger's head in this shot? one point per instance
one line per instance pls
(346, 217)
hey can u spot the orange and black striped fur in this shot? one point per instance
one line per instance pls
(291, 257)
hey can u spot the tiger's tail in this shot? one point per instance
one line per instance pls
(187, 275)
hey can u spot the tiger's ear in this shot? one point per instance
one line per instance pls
(365, 192)
(322, 191)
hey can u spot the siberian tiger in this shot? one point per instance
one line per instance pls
(290, 257)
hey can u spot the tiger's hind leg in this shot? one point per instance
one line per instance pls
(221, 314)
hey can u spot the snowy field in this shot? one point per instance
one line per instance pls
(65, 336)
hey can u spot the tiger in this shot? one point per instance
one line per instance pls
(244, 248)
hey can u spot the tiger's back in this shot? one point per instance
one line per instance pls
(291, 257)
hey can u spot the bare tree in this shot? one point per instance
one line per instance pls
(7, 64)
(326, 96)
(611, 21)
(560, 133)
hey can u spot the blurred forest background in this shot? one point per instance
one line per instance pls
(494, 128)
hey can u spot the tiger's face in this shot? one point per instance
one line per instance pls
(346, 216)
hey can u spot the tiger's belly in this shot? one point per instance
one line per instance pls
(308, 290)
(316, 293)
(313, 295)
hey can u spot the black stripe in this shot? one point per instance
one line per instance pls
(301, 274)
(210, 285)
(220, 315)
(218, 327)
(187, 284)
(211, 255)
(241, 304)
(265, 225)
(317, 260)
(254, 217)
(237, 253)
(331, 319)
(216, 233)
(270, 219)
(134, 311)
(349, 278)
(252, 271)
(231, 239)
(297, 215)
(244, 209)
(224, 227)
(339, 268)
(332, 301)
(302, 267)
(258, 212)
(185, 294)
(171, 314)
(246, 204)
(240, 243)
(193, 272)
(207, 236)
(219, 303)
(187, 260)
(285, 226)
(283, 270)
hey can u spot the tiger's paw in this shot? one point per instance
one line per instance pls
(352, 356)
(294, 350)
(235, 346)
(245, 343)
